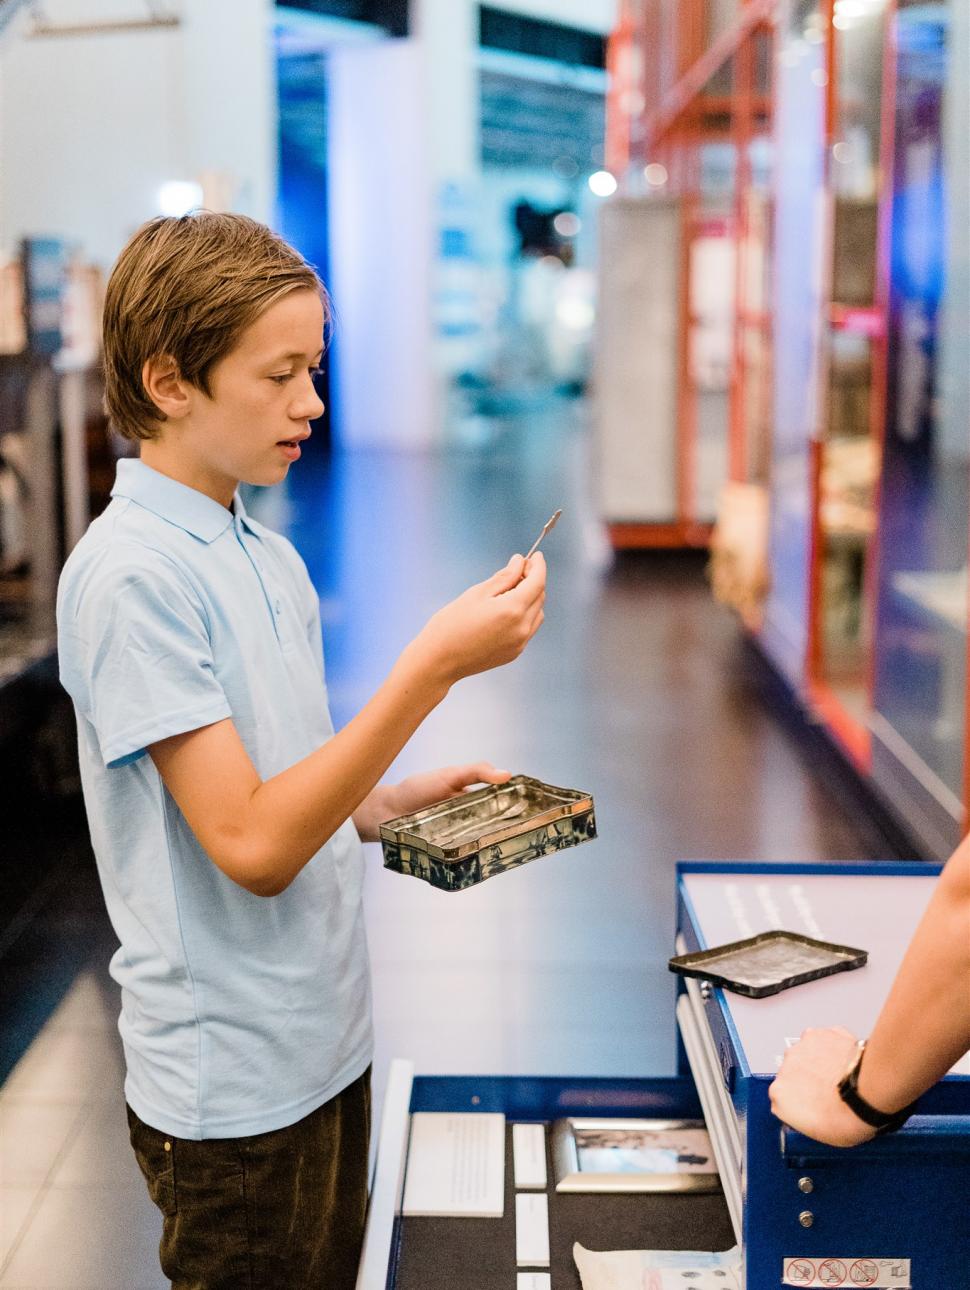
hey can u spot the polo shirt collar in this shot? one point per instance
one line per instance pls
(185, 507)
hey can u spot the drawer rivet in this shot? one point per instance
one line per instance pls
(806, 1218)
(806, 1185)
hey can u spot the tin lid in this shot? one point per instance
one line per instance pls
(769, 963)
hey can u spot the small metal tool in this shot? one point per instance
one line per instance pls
(550, 525)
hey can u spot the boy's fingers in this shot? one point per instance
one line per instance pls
(536, 621)
(485, 773)
(507, 578)
(482, 772)
(533, 585)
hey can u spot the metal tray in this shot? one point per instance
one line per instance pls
(462, 841)
(623, 1155)
(769, 963)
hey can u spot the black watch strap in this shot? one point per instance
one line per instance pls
(881, 1121)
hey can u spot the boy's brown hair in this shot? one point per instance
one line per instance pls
(187, 287)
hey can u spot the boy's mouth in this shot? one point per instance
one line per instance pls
(295, 441)
(291, 448)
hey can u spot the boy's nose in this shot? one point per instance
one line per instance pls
(309, 409)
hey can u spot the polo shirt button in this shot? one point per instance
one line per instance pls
(277, 607)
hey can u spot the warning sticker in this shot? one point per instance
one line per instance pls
(875, 1274)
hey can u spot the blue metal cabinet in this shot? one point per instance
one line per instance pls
(903, 1197)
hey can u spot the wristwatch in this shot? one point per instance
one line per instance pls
(881, 1121)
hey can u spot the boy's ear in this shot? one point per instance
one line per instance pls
(165, 386)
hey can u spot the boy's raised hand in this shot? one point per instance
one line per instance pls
(488, 625)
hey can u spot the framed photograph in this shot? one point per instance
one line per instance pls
(633, 1155)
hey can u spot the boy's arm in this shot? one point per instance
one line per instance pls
(922, 1030)
(261, 834)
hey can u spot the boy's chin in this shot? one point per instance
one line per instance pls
(268, 475)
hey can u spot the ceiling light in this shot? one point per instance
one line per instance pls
(178, 197)
(602, 183)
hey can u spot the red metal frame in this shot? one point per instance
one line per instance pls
(873, 322)
(629, 537)
(820, 693)
(678, 119)
(754, 14)
(880, 334)
(621, 47)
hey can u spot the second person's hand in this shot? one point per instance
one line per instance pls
(805, 1095)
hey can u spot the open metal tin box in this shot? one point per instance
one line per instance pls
(769, 963)
(466, 839)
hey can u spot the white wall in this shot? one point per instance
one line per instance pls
(92, 125)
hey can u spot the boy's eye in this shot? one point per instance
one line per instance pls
(283, 377)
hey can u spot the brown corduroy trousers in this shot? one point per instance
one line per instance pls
(277, 1211)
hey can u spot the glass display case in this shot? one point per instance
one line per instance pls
(920, 691)
(853, 330)
(870, 472)
(689, 119)
(845, 434)
(799, 242)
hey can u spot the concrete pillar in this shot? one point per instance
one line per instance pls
(228, 104)
(447, 31)
(380, 241)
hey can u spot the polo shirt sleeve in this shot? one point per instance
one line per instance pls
(143, 666)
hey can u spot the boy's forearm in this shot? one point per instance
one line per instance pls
(924, 1026)
(376, 807)
(296, 812)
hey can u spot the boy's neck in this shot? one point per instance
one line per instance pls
(192, 473)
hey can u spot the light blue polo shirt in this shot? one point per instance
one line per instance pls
(240, 1014)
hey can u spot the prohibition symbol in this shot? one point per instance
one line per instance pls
(833, 1272)
(863, 1273)
(801, 1272)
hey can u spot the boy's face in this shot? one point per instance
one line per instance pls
(262, 398)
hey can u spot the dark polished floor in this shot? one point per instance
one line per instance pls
(638, 689)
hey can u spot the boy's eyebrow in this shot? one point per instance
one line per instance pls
(295, 354)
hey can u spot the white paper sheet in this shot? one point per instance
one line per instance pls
(658, 1269)
(532, 1229)
(456, 1165)
(529, 1155)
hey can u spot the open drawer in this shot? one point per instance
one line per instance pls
(479, 1253)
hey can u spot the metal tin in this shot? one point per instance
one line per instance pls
(769, 963)
(632, 1155)
(462, 841)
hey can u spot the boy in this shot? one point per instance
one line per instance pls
(225, 814)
